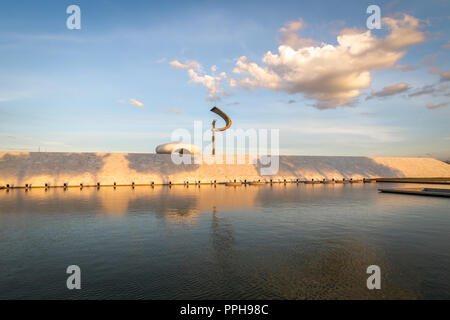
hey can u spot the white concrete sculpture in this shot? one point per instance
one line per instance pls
(179, 147)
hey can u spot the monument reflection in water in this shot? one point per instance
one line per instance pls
(276, 242)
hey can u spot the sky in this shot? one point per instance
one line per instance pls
(137, 70)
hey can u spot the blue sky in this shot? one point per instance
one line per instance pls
(70, 90)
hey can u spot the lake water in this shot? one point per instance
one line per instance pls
(256, 242)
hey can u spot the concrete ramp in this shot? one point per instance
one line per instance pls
(58, 168)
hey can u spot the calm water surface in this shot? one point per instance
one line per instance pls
(256, 242)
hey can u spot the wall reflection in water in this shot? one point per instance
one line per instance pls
(282, 241)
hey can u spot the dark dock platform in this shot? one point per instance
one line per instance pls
(434, 192)
(442, 180)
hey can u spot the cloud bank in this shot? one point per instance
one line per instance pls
(331, 75)
(431, 89)
(390, 90)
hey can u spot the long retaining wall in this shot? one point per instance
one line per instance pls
(58, 168)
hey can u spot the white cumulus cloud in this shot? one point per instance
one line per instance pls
(196, 75)
(332, 75)
(136, 103)
(187, 65)
(211, 82)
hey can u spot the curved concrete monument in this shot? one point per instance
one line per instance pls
(227, 120)
(169, 148)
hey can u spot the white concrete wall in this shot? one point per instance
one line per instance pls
(38, 168)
